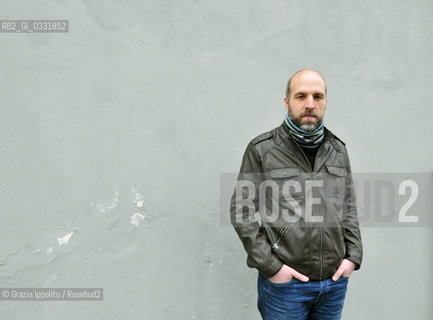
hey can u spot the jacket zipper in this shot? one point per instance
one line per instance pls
(312, 177)
(276, 246)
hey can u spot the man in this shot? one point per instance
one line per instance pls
(305, 240)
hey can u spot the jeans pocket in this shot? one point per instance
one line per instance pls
(282, 284)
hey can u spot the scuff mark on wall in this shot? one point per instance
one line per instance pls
(208, 255)
(65, 239)
(139, 198)
(104, 207)
(144, 213)
(136, 219)
(50, 249)
(35, 250)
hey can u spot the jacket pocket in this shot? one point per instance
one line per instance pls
(336, 181)
(286, 202)
(276, 243)
(289, 182)
(292, 245)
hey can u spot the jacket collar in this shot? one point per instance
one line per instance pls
(295, 151)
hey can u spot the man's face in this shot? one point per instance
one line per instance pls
(307, 103)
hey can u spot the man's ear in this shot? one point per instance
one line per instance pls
(286, 103)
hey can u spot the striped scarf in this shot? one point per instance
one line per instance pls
(309, 140)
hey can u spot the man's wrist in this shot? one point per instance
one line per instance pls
(271, 267)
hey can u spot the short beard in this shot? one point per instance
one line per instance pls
(307, 127)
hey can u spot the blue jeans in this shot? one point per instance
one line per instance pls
(297, 300)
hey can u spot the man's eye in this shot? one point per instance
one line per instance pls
(300, 97)
(318, 97)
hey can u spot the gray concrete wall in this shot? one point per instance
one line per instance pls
(114, 135)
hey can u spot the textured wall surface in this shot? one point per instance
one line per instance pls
(113, 138)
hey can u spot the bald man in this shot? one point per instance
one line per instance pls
(294, 209)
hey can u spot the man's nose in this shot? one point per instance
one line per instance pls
(309, 103)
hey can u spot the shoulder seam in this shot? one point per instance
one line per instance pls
(344, 144)
(261, 137)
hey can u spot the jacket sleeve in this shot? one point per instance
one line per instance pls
(243, 209)
(352, 233)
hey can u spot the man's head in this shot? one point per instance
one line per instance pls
(306, 99)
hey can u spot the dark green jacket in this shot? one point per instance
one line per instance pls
(313, 242)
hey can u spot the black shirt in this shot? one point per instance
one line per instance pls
(311, 154)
